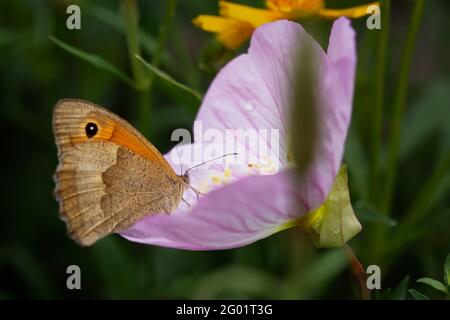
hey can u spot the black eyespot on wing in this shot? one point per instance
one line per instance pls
(91, 129)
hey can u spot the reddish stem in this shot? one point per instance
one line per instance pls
(358, 273)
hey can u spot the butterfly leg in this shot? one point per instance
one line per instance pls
(197, 193)
(187, 203)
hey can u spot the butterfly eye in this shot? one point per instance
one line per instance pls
(91, 129)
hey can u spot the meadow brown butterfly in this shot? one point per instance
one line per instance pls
(108, 176)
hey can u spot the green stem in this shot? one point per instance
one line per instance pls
(399, 106)
(162, 39)
(130, 14)
(379, 97)
(164, 31)
(376, 242)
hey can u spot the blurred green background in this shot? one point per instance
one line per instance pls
(35, 73)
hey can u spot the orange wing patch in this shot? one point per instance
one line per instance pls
(72, 116)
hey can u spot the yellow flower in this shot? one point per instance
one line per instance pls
(237, 22)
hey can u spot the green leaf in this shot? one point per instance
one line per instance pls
(334, 223)
(447, 271)
(94, 60)
(434, 284)
(417, 295)
(425, 118)
(168, 79)
(420, 230)
(400, 292)
(366, 212)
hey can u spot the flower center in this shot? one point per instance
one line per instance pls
(266, 166)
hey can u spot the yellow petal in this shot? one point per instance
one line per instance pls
(292, 5)
(354, 12)
(231, 33)
(254, 16)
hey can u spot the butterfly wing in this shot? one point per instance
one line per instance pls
(108, 178)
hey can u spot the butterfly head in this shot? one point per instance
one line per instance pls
(185, 177)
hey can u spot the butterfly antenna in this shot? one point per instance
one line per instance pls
(200, 164)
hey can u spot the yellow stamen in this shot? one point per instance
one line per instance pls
(227, 172)
(216, 179)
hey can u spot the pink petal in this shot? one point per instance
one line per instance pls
(342, 54)
(232, 216)
(336, 94)
(255, 207)
(263, 76)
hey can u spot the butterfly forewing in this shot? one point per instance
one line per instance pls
(108, 176)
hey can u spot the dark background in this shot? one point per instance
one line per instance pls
(35, 73)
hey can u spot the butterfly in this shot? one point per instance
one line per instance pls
(109, 175)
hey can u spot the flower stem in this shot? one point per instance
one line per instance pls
(379, 97)
(164, 31)
(380, 75)
(130, 14)
(162, 39)
(358, 273)
(399, 105)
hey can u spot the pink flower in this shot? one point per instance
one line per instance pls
(250, 201)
